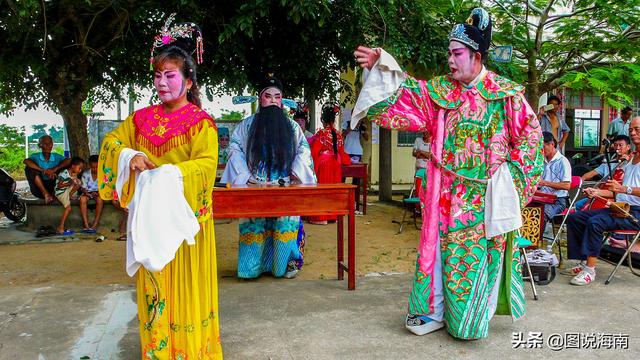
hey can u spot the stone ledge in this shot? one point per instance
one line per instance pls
(40, 214)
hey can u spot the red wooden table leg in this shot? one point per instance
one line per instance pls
(358, 194)
(340, 246)
(364, 192)
(351, 246)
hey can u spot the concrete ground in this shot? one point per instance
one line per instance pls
(312, 319)
(317, 319)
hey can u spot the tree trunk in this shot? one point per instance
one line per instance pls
(532, 90)
(311, 101)
(532, 93)
(76, 124)
(384, 179)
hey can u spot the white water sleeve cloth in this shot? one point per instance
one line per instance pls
(382, 81)
(126, 155)
(502, 210)
(160, 219)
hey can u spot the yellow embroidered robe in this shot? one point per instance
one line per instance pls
(177, 306)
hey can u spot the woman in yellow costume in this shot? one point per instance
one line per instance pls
(177, 300)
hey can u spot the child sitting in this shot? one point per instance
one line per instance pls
(89, 192)
(67, 187)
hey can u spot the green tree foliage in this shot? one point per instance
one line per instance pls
(232, 115)
(11, 149)
(415, 32)
(40, 130)
(560, 41)
(54, 52)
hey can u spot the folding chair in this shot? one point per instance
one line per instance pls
(420, 179)
(576, 183)
(627, 254)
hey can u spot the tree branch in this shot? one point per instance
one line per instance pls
(533, 7)
(520, 21)
(554, 18)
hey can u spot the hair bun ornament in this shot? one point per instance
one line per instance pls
(186, 36)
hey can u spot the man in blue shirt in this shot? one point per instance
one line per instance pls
(622, 146)
(620, 125)
(42, 168)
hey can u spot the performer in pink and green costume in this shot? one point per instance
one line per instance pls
(462, 276)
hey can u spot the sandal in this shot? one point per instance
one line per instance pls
(122, 238)
(67, 232)
(88, 231)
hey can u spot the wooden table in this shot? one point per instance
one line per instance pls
(243, 201)
(358, 171)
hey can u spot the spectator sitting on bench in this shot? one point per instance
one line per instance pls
(556, 178)
(67, 186)
(90, 192)
(42, 168)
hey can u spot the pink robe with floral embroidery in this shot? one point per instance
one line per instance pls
(474, 130)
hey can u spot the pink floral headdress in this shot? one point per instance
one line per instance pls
(184, 35)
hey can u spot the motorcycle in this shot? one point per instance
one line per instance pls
(10, 204)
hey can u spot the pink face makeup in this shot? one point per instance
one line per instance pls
(271, 96)
(461, 62)
(169, 83)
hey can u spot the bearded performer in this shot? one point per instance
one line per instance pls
(269, 148)
(161, 162)
(486, 160)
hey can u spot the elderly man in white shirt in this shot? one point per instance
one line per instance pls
(585, 229)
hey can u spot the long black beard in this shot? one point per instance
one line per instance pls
(271, 140)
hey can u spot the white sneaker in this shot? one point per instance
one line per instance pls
(583, 278)
(292, 270)
(573, 271)
(421, 325)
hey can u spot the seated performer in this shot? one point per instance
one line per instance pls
(328, 154)
(481, 128)
(585, 229)
(556, 178)
(269, 148)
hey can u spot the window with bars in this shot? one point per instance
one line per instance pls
(407, 138)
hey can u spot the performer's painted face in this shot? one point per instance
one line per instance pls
(169, 82)
(271, 96)
(464, 63)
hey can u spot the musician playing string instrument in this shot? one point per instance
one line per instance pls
(556, 178)
(585, 229)
(622, 146)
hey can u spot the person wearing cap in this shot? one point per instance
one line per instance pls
(174, 143)
(269, 148)
(486, 161)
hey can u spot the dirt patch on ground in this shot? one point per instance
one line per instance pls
(88, 262)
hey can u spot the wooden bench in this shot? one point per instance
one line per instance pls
(41, 214)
